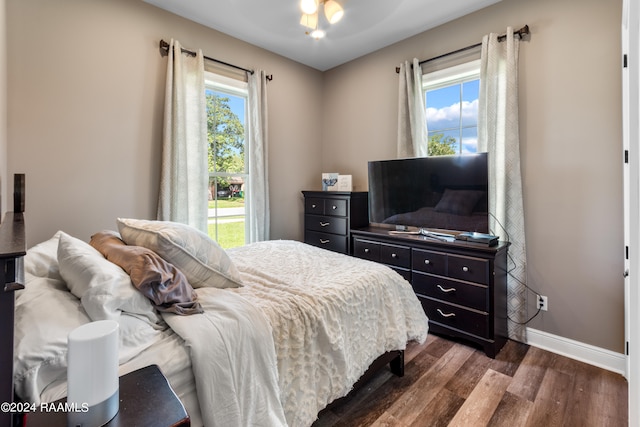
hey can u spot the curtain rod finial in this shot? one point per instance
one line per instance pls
(164, 48)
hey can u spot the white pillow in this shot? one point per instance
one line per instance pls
(46, 312)
(104, 288)
(42, 259)
(200, 258)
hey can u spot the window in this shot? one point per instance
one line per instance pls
(228, 173)
(452, 108)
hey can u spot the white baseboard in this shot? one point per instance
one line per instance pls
(596, 356)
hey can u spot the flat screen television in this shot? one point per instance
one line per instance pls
(439, 192)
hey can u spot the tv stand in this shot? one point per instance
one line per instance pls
(461, 285)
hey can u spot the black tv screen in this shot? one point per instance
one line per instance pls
(439, 192)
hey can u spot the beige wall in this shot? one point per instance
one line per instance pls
(570, 117)
(86, 93)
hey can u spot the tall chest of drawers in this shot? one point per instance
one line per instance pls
(462, 286)
(329, 217)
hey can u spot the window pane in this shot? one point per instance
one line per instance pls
(444, 142)
(452, 108)
(225, 128)
(443, 108)
(227, 169)
(470, 140)
(470, 103)
(226, 211)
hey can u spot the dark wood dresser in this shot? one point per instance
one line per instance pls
(329, 217)
(462, 285)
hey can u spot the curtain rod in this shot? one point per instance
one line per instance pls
(164, 48)
(520, 33)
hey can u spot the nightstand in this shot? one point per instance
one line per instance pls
(146, 399)
(329, 217)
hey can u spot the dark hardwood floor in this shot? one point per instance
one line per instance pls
(451, 384)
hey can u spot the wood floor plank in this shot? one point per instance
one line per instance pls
(479, 407)
(551, 402)
(594, 401)
(368, 403)
(440, 411)
(530, 373)
(439, 346)
(469, 375)
(509, 358)
(614, 399)
(412, 402)
(543, 389)
(512, 411)
(414, 349)
(387, 420)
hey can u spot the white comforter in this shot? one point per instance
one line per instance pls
(331, 316)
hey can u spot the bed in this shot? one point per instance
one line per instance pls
(286, 330)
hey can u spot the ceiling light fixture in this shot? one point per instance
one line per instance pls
(333, 12)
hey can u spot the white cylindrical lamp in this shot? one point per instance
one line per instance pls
(92, 374)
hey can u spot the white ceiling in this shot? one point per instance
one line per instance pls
(367, 25)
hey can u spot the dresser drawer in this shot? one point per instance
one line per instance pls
(332, 242)
(314, 205)
(466, 294)
(468, 268)
(429, 261)
(330, 207)
(335, 207)
(326, 224)
(398, 256)
(404, 272)
(453, 316)
(366, 249)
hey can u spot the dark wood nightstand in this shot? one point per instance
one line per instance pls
(329, 217)
(146, 399)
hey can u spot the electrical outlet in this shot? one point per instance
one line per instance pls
(543, 303)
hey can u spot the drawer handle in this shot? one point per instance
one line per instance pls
(426, 261)
(465, 269)
(324, 224)
(446, 314)
(366, 250)
(334, 207)
(446, 290)
(394, 255)
(324, 242)
(313, 206)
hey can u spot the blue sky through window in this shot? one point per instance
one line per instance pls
(453, 111)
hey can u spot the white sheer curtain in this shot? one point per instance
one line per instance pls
(258, 203)
(412, 122)
(184, 171)
(498, 134)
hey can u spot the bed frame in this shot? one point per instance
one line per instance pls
(12, 251)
